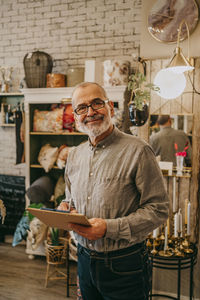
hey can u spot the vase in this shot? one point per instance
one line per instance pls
(179, 165)
(75, 76)
(37, 65)
(138, 117)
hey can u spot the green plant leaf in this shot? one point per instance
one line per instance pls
(141, 89)
(33, 205)
(54, 236)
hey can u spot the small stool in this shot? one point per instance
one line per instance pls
(56, 256)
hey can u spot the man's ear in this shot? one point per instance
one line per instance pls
(111, 104)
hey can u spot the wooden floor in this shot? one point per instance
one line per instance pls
(24, 279)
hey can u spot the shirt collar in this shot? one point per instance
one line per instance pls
(166, 127)
(107, 140)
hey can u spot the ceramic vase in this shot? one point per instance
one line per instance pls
(179, 165)
(138, 117)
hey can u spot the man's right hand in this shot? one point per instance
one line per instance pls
(65, 206)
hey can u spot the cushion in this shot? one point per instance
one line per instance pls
(50, 121)
(41, 190)
(21, 231)
(47, 157)
(68, 118)
(62, 156)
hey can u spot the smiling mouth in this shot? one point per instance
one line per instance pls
(93, 119)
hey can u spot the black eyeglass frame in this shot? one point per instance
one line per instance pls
(90, 105)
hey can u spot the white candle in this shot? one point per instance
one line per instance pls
(186, 207)
(188, 218)
(180, 222)
(176, 225)
(166, 238)
(155, 233)
(174, 195)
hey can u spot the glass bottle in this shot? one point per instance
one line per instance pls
(9, 116)
(2, 120)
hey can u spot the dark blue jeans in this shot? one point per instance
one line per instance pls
(123, 274)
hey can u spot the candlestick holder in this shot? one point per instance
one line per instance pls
(154, 251)
(177, 244)
(167, 252)
(148, 242)
(186, 244)
(162, 237)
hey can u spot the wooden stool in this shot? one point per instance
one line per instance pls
(56, 256)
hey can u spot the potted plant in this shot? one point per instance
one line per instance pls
(54, 246)
(139, 98)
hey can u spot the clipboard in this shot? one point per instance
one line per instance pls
(58, 218)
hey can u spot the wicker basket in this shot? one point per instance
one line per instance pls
(55, 254)
(36, 66)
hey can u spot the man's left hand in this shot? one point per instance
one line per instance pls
(94, 232)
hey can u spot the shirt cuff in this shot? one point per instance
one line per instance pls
(112, 230)
(118, 229)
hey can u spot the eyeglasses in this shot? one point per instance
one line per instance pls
(96, 104)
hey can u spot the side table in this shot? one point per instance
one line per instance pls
(178, 264)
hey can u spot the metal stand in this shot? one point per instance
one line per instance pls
(68, 270)
(177, 263)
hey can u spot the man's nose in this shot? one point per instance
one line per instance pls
(91, 111)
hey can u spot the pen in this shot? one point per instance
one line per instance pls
(69, 203)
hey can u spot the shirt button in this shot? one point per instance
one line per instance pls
(91, 174)
(90, 244)
(89, 197)
(95, 151)
(103, 146)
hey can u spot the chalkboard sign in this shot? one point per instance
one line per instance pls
(12, 192)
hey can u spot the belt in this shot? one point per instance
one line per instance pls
(115, 253)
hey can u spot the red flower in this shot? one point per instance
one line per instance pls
(183, 153)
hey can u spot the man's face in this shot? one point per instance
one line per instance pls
(94, 122)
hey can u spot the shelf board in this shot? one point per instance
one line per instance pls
(11, 94)
(7, 125)
(174, 175)
(37, 166)
(64, 132)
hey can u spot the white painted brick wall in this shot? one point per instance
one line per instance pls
(66, 29)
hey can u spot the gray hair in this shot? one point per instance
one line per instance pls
(86, 84)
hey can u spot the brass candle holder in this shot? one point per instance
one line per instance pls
(166, 251)
(154, 251)
(186, 244)
(177, 245)
(148, 242)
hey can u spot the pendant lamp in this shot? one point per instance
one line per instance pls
(171, 80)
(179, 63)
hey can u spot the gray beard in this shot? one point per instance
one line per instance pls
(96, 130)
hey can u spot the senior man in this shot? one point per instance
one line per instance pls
(114, 180)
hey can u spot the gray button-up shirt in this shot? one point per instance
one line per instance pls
(120, 181)
(163, 144)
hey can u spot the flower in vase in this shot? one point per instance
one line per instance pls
(183, 153)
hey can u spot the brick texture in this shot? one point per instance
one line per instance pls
(68, 30)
